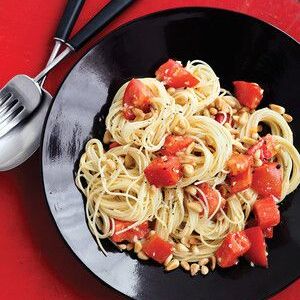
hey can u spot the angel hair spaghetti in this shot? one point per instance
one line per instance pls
(188, 178)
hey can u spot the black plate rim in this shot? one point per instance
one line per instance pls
(107, 36)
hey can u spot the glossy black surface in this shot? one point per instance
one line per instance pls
(237, 47)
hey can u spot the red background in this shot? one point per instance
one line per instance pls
(35, 262)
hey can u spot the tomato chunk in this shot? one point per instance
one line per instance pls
(138, 231)
(266, 146)
(136, 95)
(241, 181)
(158, 249)
(248, 93)
(114, 145)
(268, 232)
(257, 252)
(175, 143)
(239, 163)
(223, 118)
(173, 74)
(164, 171)
(266, 212)
(234, 245)
(211, 197)
(267, 180)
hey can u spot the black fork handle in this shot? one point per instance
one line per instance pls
(106, 15)
(68, 19)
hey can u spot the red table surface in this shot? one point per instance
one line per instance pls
(35, 261)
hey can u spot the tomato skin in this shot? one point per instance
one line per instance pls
(234, 245)
(175, 143)
(211, 197)
(139, 231)
(239, 163)
(267, 180)
(266, 146)
(223, 118)
(156, 248)
(113, 145)
(164, 171)
(257, 252)
(248, 93)
(174, 75)
(268, 232)
(266, 212)
(136, 95)
(241, 181)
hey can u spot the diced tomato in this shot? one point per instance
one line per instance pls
(173, 74)
(113, 145)
(267, 180)
(266, 212)
(164, 171)
(234, 245)
(136, 95)
(248, 93)
(138, 231)
(266, 146)
(241, 181)
(156, 248)
(268, 232)
(257, 252)
(223, 118)
(239, 163)
(175, 143)
(211, 197)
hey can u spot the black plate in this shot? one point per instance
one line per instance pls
(237, 47)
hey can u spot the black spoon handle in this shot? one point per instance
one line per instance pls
(68, 19)
(106, 15)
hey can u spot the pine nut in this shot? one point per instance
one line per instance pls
(107, 137)
(219, 104)
(288, 117)
(111, 164)
(185, 265)
(171, 90)
(138, 247)
(195, 250)
(258, 163)
(152, 232)
(277, 108)
(194, 269)
(213, 263)
(188, 170)
(248, 140)
(206, 112)
(191, 190)
(168, 259)
(193, 241)
(196, 207)
(204, 270)
(235, 118)
(181, 248)
(257, 154)
(122, 246)
(277, 148)
(141, 255)
(243, 119)
(213, 111)
(129, 247)
(203, 261)
(173, 264)
(255, 135)
(178, 130)
(129, 161)
(181, 100)
(230, 101)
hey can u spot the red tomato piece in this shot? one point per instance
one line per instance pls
(211, 197)
(173, 74)
(223, 118)
(164, 171)
(138, 231)
(239, 163)
(266, 212)
(234, 245)
(175, 143)
(113, 145)
(257, 252)
(156, 248)
(267, 180)
(248, 93)
(136, 95)
(266, 146)
(241, 181)
(268, 232)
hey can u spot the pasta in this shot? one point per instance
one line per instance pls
(184, 168)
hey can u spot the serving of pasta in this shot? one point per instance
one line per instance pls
(188, 174)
